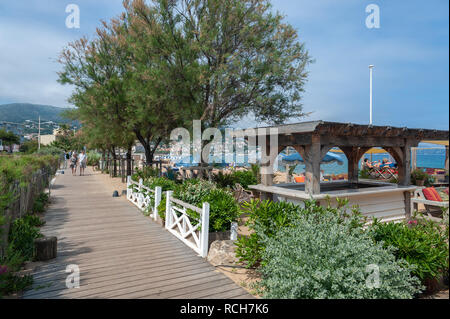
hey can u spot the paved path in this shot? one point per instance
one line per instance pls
(120, 252)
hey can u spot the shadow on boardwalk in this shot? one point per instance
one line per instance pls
(120, 253)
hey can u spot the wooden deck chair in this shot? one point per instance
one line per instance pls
(377, 172)
(389, 172)
(433, 208)
(241, 195)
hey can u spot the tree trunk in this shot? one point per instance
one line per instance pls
(129, 161)
(108, 157)
(146, 144)
(103, 161)
(114, 162)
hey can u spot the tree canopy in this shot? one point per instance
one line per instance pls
(9, 138)
(162, 64)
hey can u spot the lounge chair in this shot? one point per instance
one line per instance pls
(241, 195)
(431, 199)
(389, 172)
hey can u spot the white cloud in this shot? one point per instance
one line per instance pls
(28, 64)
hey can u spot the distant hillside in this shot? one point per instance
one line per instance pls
(19, 112)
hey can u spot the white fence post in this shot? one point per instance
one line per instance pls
(128, 187)
(158, 193)
(234, 231)
(168, 208)
(140, 195)
(205, 230)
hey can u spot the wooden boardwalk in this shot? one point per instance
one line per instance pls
(120, 253)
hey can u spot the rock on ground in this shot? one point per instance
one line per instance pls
(222, 252)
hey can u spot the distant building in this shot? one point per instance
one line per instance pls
(47, 139)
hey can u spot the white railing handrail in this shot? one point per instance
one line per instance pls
(142, 201)
(187, 205)
(177, 221)
(182, 228)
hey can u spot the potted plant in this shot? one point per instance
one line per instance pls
(418, 177)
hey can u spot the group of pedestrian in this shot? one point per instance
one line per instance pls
(76, 160)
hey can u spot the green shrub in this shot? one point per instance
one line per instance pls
(326, 257)
(194, 191)
(266, 218)
(223, 210)
(33, 220)
(145, 173)
(11, 283)
(245, 178)
(223, 180)
(40, 203)
(20, 168)
(50, 150)
(421, 243)
(22, 236)
(93, 158)
(364, 173)
(418, 175)
(164, 183)
(256, 170)
(29, 147)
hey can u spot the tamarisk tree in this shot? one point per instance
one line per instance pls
(245, 58)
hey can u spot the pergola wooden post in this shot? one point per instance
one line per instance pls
(312, 156)
(353, 154)
(446, 159)
(267, 160)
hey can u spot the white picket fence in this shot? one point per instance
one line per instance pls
(143, 196)
(177, 222)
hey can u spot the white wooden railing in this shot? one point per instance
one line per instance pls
(177, 222)
(143, 197)
(180, 224)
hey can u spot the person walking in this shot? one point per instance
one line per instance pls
(73, 163)
(66, 159)
(82, 160)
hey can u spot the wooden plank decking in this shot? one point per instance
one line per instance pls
(120, 252)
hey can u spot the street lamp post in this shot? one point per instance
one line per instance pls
(39, 134)
(371, 93)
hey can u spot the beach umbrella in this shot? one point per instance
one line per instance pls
(189, 162)
(295, 159)
(373, 150)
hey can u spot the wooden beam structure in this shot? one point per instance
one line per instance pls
(312, 140)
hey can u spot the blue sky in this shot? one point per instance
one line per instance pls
(410, 52)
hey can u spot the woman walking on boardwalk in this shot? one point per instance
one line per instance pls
(83, 161)
(73, 163)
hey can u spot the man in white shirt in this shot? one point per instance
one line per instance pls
(82, 158)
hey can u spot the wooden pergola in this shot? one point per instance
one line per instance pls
(312, 140)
